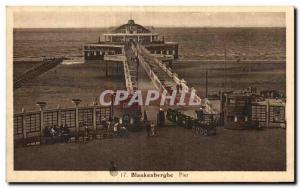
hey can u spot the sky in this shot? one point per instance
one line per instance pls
(95, 19)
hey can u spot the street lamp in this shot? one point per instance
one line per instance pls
(76, 102)
(112, 104)
(41, 105)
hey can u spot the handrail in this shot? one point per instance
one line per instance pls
(145, 55)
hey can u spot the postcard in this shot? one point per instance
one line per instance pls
(150, 94)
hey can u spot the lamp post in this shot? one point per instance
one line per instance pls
(76, 103)
(112, 105)
(41, 106)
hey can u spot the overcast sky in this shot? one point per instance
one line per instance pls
(80, 19)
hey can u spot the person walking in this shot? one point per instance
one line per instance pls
(160, 117)
(148, 128)
(153, 129)
(116, 128)
(177, 88)
(145, 116)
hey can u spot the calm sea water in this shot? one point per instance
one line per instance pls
(194, 43)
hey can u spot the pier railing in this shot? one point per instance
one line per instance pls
(146, 59)
(31, 125)
(36, 71)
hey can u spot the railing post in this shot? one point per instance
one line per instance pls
(58, 116)
(41, 105)
(24, 123)
(94, 117)
(268, 114)
(76, 119)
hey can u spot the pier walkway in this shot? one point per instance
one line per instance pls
(163, 78)
(36, 71)
(130, 70)
(154, 70)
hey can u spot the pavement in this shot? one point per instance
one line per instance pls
(172, 149)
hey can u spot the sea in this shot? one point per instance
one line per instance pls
(194, 43)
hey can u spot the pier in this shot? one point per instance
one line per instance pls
(34, 72)
(134, 46)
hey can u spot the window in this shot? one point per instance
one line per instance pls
(277, 114)
(258, 112)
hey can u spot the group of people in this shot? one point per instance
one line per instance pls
(116, 127)
(179, 87)
(55, 131)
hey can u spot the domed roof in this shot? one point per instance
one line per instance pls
(131, 27)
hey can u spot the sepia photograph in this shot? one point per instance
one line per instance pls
(150, 94)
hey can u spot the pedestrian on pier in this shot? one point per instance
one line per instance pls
(52, 131)
(177, 88)
(116, 127)
(153, 129)
(66, 134)
(180, 87)
(47, 131)
(145, 116)
(148, 128)
(86, 133)
(160, 117)
(109, 127)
